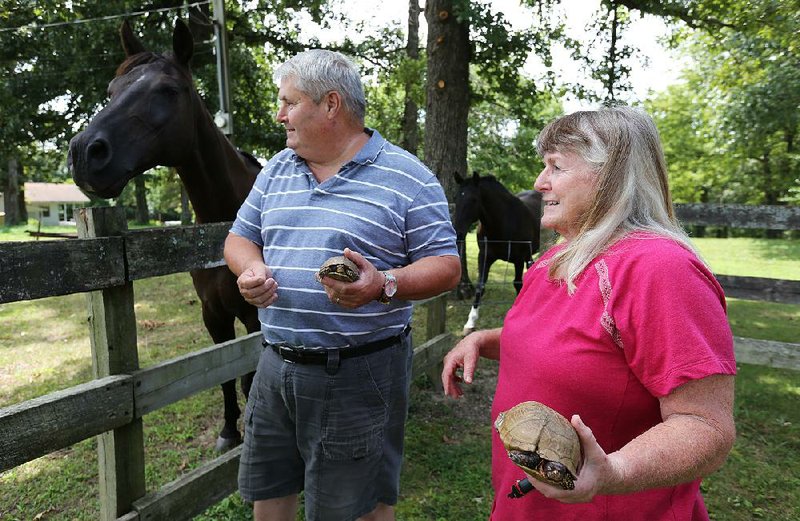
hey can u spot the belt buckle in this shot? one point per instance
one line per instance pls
(288, 352)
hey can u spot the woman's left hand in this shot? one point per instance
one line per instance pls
(595, 472)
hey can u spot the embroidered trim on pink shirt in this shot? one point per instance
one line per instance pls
(607, 321)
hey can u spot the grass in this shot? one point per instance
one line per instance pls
(774, 259)
(44, 347)
(20, 232)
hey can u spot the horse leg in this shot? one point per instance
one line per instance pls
(518, 268)
(221, 328)
(483, 273)
(465, 289)
(251, 324)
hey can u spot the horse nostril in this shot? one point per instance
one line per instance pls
(98, 153)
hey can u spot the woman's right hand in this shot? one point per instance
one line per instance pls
(464, 357)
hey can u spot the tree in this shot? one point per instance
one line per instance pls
(56, 60)
(475, 57)
(410, 139)
(11, 194)
(735, 122)
(448, 93)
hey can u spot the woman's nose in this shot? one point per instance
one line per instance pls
(539, 182)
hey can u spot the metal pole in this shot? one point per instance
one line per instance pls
(224, 117)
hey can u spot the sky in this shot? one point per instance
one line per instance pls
(662, 68)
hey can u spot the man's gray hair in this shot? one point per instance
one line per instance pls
(317, 72)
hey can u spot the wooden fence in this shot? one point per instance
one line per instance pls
(748, 350)
(105, 262)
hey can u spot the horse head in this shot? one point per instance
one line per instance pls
(468, 203)
(148, 121)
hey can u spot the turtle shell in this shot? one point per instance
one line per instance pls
(538, 439)
(339, 268)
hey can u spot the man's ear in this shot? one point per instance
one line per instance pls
(333, 103)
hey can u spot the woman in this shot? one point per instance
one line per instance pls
(620, 327)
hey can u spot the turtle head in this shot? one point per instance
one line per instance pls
(551, 472)
(557, 474)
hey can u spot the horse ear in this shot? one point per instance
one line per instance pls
(476, 177)
(182, 42)
(130, 43)
(458, 178)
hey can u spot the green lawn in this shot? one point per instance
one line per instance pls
(24, 232)
(774, 259)
(44, 347)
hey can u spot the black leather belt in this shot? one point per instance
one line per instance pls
(322, 356)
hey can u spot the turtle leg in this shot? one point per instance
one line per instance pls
(529, 461)
(520, 488)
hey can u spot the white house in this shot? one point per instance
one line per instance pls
(51, 203)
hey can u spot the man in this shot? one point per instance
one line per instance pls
(327, 408)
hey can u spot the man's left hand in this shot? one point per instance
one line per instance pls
(351, 295)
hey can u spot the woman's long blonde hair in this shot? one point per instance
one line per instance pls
(620, 144)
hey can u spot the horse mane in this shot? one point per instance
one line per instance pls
(250, 160)
(494, 184)
(141, 58)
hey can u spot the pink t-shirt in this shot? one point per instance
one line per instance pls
(646, 317)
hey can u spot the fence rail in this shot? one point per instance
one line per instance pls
(769, 217)
(106, 260)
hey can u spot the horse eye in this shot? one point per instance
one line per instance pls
(169, 91)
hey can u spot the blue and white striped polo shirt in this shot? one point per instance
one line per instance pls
(384, 204)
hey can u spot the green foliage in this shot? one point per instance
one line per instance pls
(164, 194)
(502, 142)
(731, 127)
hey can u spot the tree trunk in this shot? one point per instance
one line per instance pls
(447, 89)
(771, 196)
(23, 208)
(142, 215)
(447, 109)
(410, 109)
(11, 193)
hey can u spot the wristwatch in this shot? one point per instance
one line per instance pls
(389, 288)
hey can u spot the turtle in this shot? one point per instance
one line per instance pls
(541, 442)
(339, 268)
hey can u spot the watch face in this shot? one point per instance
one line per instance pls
(390, 286)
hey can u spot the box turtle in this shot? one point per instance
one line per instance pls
(339, 268)
(541, 442)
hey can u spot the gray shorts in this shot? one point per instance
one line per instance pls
(337, 436)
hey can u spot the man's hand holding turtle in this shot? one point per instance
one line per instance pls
(350, 280)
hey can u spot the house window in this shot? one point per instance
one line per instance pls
(45, 211)
(65, 212)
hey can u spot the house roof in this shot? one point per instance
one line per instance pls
(53, 193)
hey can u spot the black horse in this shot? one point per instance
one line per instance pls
(156, 117)
(508, 228)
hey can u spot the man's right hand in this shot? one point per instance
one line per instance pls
(257, 285)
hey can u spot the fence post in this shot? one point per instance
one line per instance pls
(112, 325)
(436, 324)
